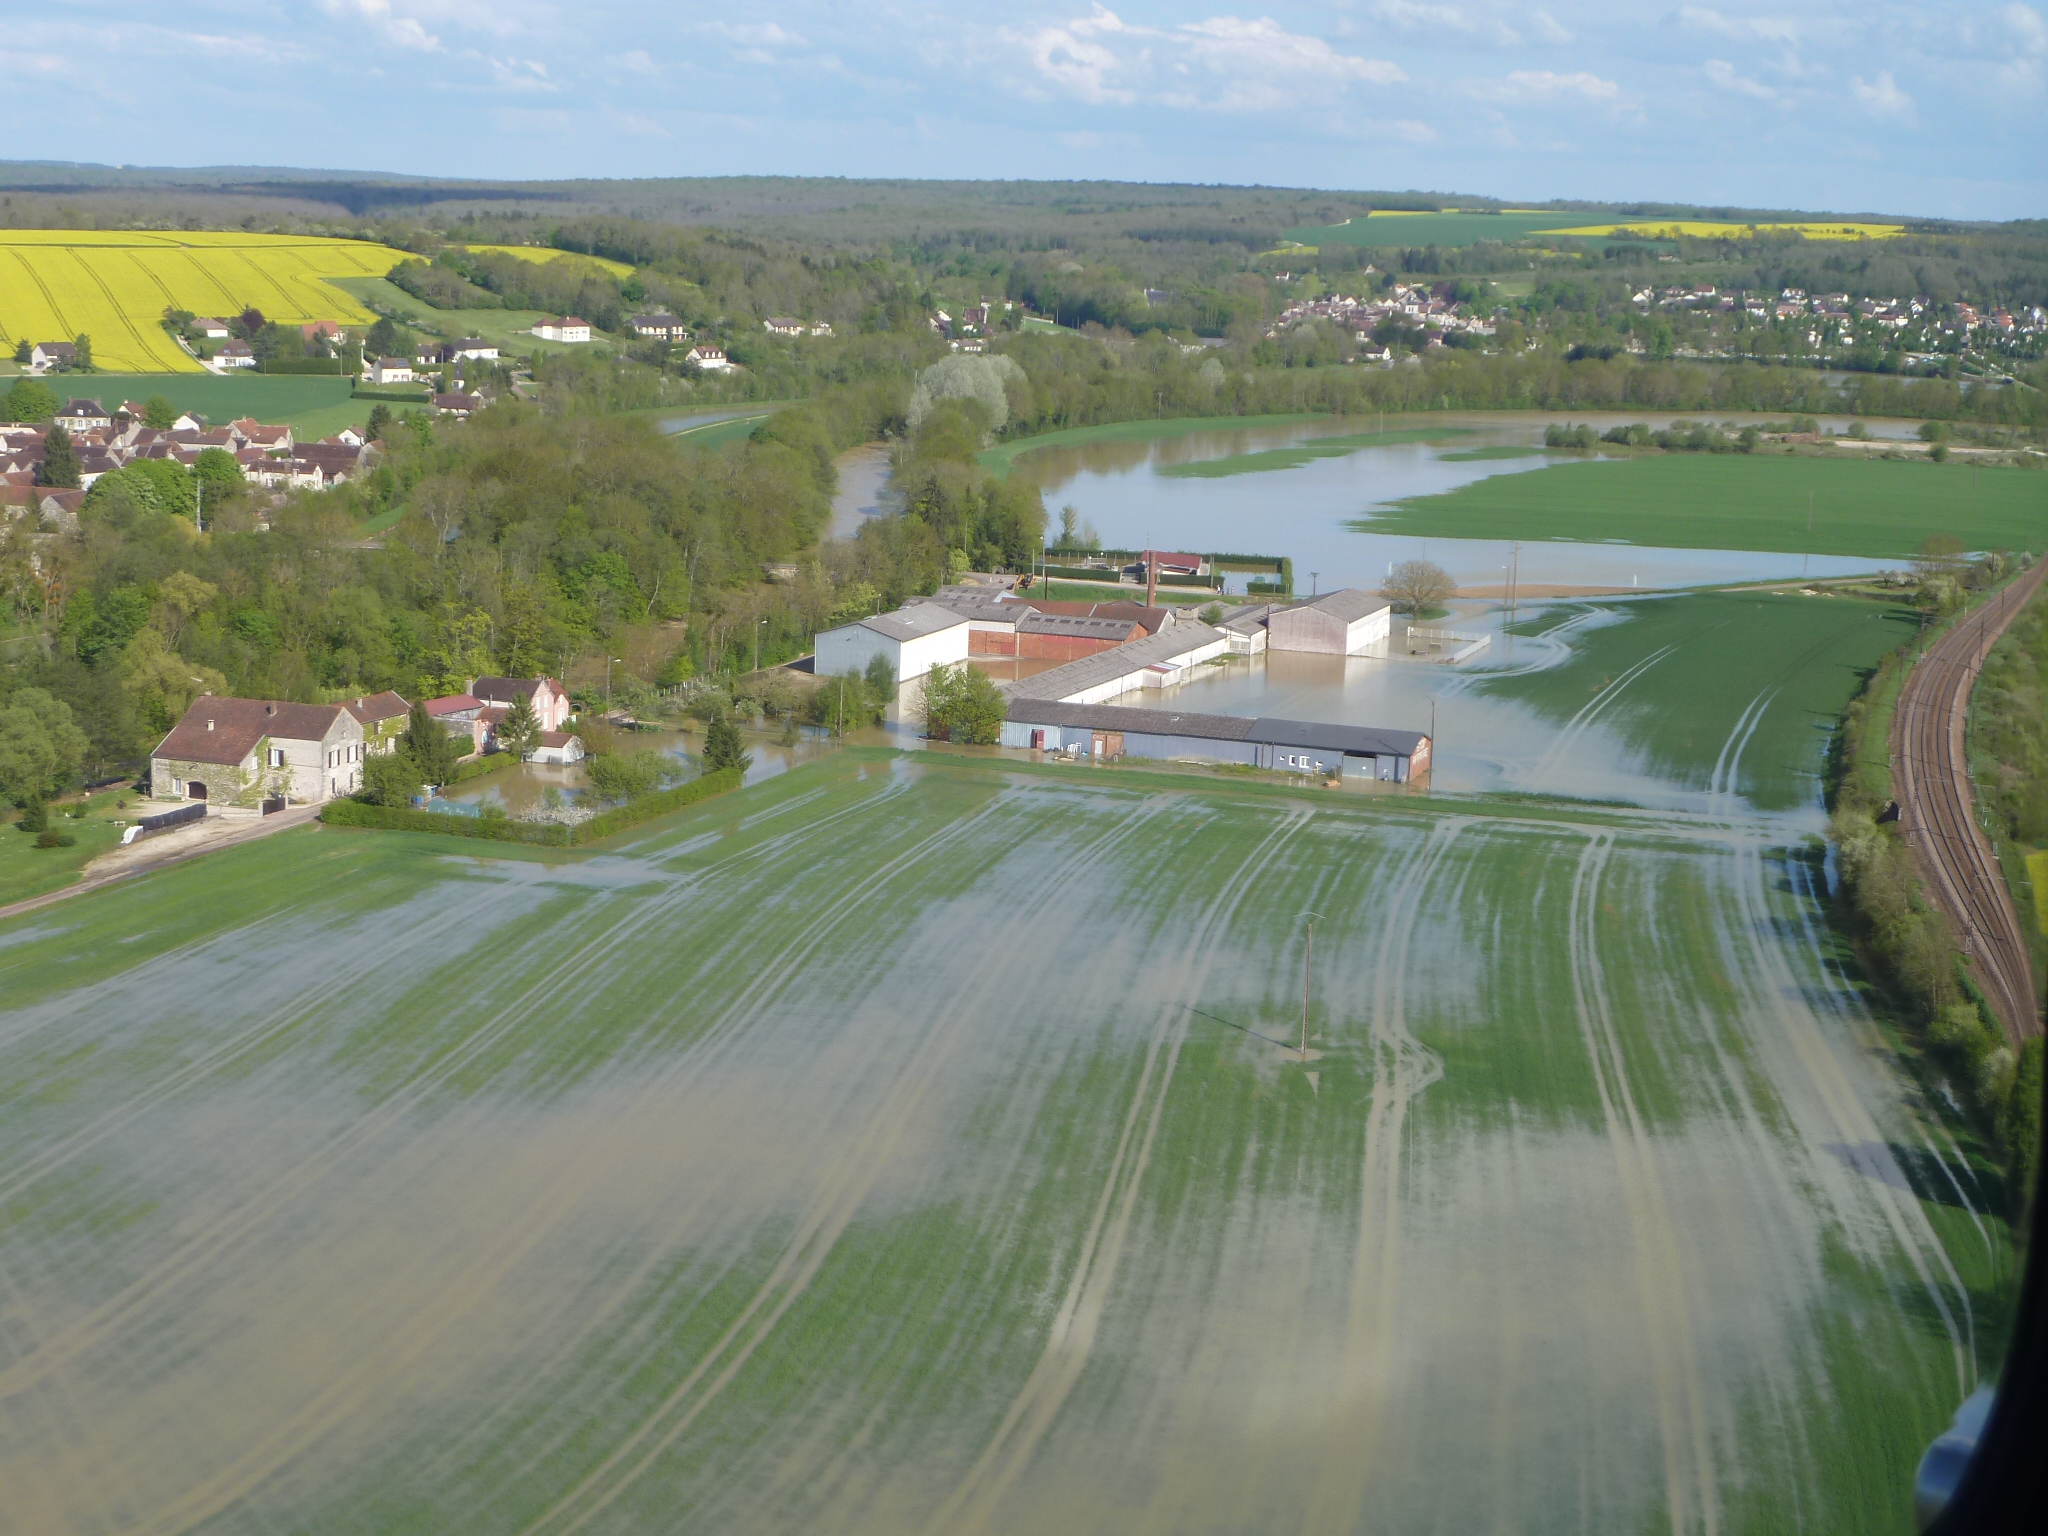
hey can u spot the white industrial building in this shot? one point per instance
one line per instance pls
(1159, 661)
(1346, 623)
(914, 639)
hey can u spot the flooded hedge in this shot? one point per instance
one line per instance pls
(353, 813)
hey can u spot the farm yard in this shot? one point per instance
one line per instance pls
(115, 285)
(1878, 508)
(918, 1143)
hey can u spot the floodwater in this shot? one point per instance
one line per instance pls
(863, 489)
(1307, 512)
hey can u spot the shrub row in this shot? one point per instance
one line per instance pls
(1910, 944)
(353, 813)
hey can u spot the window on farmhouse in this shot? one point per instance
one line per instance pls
(277, 757)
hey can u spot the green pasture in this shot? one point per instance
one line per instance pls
(26, 870)
(312, 405)
(1003, 457)
(915, 1142)
(511, 329)
(1693, 679)
(1307, 452)
(1411, 229)
(1489, 454)
(1880, 509)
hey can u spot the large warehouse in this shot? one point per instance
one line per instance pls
(1346, 623)
(1290, 746)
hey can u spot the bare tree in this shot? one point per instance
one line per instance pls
(1416, 586)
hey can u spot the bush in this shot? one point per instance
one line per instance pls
(962, 704)
(52, 838)
(35, 816)
(628, 775)
(2020, 1126)
(390, 778)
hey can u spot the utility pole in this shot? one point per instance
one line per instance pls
(1314, 579)
(608, 686)
(757, 643)
(1307, 961)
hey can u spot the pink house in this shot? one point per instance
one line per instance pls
(550, 700)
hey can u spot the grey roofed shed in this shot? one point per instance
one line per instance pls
(1356, 740)
(914, 622)
(1166, 647)
(1120, 717)
(1351, 604)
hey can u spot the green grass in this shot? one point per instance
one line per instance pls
(902, 1144)
(2037, 872)
(1003, 457)
(296, 400)
(716, 434)
(1873, 508)
(1105, 592)
(26, 870)
(1297, 454)
(1710, 656)
(511, 329)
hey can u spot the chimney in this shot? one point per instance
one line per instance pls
(270, 709)
(209, 725)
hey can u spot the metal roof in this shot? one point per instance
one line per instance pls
(1357, 740)
(915, 622)
(1121, 717)
(1349, 604)
(1032, 622)
(1119, 661)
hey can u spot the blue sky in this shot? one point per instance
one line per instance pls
(1933, 109)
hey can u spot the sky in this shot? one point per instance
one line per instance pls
(1925, 109)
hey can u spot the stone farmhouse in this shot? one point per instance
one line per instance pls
(240, 752)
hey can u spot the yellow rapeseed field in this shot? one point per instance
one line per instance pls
(543, 254)
(1702, 229)
(114, 285)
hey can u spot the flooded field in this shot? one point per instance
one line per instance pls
(913, 1143)
(1140, 494)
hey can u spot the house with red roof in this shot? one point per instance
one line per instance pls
(239, 752)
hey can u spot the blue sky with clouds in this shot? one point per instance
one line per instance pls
(1927, 108)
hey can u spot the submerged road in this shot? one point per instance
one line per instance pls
(1937, 809)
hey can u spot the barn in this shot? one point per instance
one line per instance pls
(1346, 623)
(1106, 731)
(914, 639)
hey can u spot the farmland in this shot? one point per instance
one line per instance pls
(910, 1143)
(1003, 457)
(542, 254)
(1297, 454)
(511, 329)
(115, 285)
(1878, 508)
(1468, 227)
(300, 400)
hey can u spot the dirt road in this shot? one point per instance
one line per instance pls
(167, 848)
(1932, 777)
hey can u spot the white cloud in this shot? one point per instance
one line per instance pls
(2026, 46)
(402, 31)
(1225, 63)
(637, 61)
(1548, 85)
(1724, 77)
(1770, 29)
(40, 63)
(1882, 97)
(521, 75)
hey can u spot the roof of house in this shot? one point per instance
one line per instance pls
(394, 362)
(504, 690)
(83, 408)
(235, 349)
(493, 715)
(1104, 666)
(224, 730)
(1154, 619)
(556, 739)
(372, 707)
(60, 348)
(1350, 604)
(1356, 740)
(454, 704)
(915, 622)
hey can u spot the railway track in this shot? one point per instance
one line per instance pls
(1937, 808)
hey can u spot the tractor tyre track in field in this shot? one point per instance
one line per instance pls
(244, 1220)
(1691, 1486)
(833, 1208)
(145, 349)
(1402, 1068)
(49, 298)
(1776, 997)
(1070, 1340)
(1590, 712)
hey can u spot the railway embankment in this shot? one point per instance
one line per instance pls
(1925, 892)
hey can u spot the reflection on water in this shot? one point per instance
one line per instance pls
(1306, 512)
